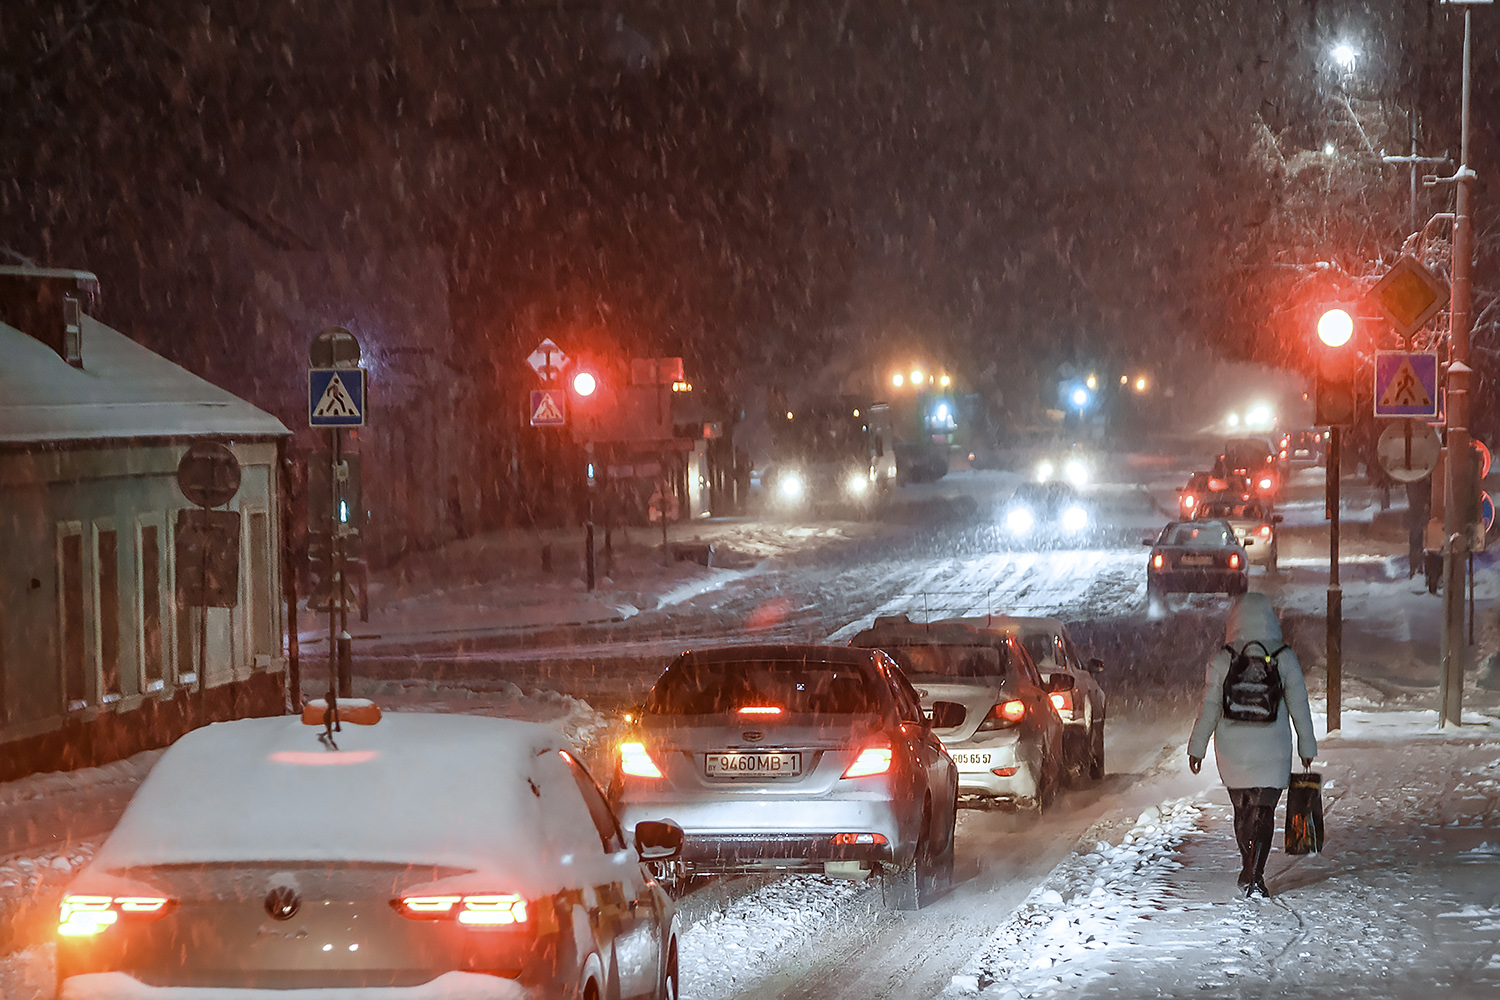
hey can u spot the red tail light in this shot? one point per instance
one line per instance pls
(1265, 483)
(1234, 560)
(1265, 531)
(83, 916)
(636, 762)
(1003, 716)
(1063, 702)
(759, 710)
(494, 909)
(853, 839)
(871, 760)
(1189, 501)
(1158, 560)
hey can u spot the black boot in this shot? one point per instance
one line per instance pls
(1264, 830)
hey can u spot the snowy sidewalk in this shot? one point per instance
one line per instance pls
(1404, 901)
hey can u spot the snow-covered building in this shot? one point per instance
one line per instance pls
(97, 657)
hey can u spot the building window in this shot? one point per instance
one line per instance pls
(107, 566)
(153, 654)
(70, 618)
(263, 642)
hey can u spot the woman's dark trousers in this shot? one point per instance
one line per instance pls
(1254, 826)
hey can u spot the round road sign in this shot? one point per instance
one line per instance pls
(1486, 509)
(208, 474)
(1484, 456)
(1408, 450)
(334, 347)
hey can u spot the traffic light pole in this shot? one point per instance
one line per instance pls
(1460, 485)
(1335, 616)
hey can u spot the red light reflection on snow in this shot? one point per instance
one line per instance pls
(322, 758)
(769, 615)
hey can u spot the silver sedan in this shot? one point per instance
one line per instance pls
(810, 758)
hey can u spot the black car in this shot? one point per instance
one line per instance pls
(1196, 557)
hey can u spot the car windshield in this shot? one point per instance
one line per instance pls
(1201, 536)
(952, 661)
(794, 686)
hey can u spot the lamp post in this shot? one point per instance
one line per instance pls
(1335, 328)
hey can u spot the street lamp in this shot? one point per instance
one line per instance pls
(1334, 406)
(1345, 55)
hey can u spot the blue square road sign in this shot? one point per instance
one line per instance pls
(1406, 384)
(336, 397)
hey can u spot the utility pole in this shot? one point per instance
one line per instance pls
(1459, 469)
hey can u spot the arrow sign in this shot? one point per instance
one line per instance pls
(1406, 384)
(547, 360)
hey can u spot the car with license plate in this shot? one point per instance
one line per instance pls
(1254, 525)
(412, 856)
(1008, 743)
(795, 758)
(1196, 557)
(1081, 704)
(1046, 513)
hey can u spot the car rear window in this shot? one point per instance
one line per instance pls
(1196, 535)
(956, 661)
(1243, 510)
(1039, 645)
(794, 686)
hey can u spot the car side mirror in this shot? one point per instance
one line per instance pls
(947, 715)
(1061, 682)
(1148, 542)
(1096, 666)
(658, 839)
(1277, 519)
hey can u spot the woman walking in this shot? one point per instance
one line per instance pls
(1255, 758)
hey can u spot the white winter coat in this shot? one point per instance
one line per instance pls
(1254, 754)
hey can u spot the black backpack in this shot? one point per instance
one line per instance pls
(1253, 688)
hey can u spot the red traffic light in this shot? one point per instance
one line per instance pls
(1335, 327)
(584, 383)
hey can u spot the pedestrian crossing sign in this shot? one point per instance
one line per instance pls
(547, 408)
(1406, 384)
(336, 397)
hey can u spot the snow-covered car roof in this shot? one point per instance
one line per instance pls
(468, 792)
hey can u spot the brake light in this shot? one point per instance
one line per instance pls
(853, 839)
(871, 760)
(1265, 531)
(83, 916)
(1004, 715)
(760, 710)
(493, 909)
(1283, 453)
(1062, 701)
(1265, 484)
(1158, 560)
(1218, 485)
(636, 762)
(1234, 560)
(1189, 501)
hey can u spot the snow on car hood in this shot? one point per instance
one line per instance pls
(490, 795)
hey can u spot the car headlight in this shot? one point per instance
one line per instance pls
(792, 486)
(857, 483)
(1043, 471)
(1075, 518)
(1076, 472)
(1020, 520)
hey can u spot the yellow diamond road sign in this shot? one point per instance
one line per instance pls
(1409, 295)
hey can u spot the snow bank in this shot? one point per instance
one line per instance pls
(1085, 905)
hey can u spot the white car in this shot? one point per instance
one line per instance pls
(419, 857)
(1083, 707)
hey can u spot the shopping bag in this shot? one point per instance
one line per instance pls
(1304, 814)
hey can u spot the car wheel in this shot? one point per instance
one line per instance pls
(1096, 751)
(905, 888)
